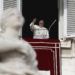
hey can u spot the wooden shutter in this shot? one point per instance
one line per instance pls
(11, 3)
(70, 17)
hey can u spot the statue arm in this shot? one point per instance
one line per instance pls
(7, 45)
(28, 51)
(21, 46)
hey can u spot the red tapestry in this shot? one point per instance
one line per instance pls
(48, 54)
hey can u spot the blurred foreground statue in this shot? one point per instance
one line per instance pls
(17, 57)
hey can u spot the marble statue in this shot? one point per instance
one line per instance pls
(17, 57)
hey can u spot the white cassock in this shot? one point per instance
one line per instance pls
(39, 32)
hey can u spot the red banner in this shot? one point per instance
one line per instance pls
(48, 54)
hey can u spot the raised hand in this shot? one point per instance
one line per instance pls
(34, 20)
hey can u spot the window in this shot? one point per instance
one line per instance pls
(68, 14)
(67, 27)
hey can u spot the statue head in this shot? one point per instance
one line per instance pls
(12, 18)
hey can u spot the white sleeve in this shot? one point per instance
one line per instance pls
(47, 34)
(33, 26)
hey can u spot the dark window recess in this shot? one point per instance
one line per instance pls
(41, 9)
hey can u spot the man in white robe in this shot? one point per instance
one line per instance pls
(39, 31)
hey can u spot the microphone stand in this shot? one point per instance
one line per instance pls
(52, 24)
